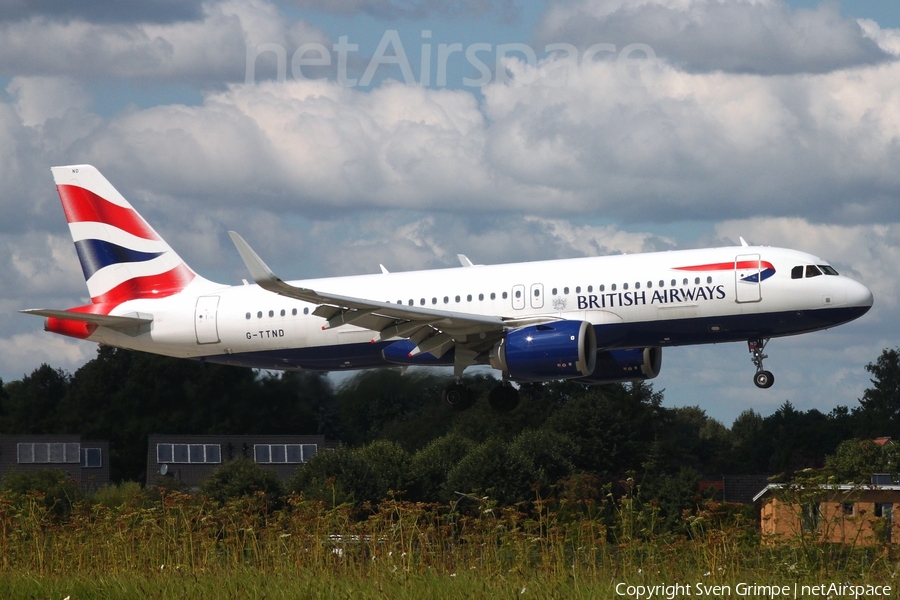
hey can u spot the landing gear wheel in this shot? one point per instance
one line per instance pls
(458, 396)
(763, 379)
(504, 398)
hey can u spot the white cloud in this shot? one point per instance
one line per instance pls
(887, 39)
(211, 49)
(23, 353)
(740, 36)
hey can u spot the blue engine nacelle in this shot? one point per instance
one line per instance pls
(625, 365)
(557, 350)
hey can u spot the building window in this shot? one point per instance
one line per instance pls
(52, 452)
(91, 458)
(848, 509)
(283, 453)
(809, 516)
(189, 453)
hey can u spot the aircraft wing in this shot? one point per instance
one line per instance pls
(432, 330)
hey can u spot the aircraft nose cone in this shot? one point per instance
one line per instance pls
(859, 296)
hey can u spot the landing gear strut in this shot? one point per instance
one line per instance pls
(504, 397)
(458, 396)
(763, 379)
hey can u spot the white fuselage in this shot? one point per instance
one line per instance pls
(654, 299)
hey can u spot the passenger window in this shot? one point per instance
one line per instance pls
(554, 291)
(282, 312)
(565, 290)
(537, 292)
(446, 299)
(494, 296)
(457, 298)
(248, 315)
(602, 287)
(469, 298)
(434, 300)
(673, 283)
(578, 289)
(259, 315)
(662, 283)
(812, 271)
(696, 281)
(709, 280)
(649, 284)
(797, 272)
(613, 287)
(624, 286)
(480, 297)
(505, 295)
(422, 301)
(271, 313)
(685, 281)
(306, 311)
(590, 289)
(294, 312)
(637, 285)
(411, 302)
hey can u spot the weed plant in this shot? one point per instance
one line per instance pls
(126, 543)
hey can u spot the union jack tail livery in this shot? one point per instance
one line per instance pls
(122, 257)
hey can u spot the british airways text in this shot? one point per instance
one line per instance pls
(644, 297)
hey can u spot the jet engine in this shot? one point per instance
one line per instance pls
(557, 350)
(625, 365)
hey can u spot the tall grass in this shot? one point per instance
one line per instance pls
(130, 545)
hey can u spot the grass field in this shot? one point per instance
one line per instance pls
(181, 546)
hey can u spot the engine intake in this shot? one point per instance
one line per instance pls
(625, 365)
(557, 350)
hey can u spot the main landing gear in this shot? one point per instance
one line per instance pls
(763, 379)
(458, 396)
(502, 398)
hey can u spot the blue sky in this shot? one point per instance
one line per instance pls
(776, 121)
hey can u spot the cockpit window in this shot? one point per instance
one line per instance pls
(797, 272)
(812, 271)
(828, 270)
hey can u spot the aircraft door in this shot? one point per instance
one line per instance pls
(537, 295)
(518, 297)
(746, 278)
(205, 320)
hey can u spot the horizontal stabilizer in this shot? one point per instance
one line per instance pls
(129, 325)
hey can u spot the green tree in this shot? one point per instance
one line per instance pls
(493, 468)
(880, 404)
(31, 403)
(242, 477)
(56, 491)
(430, 466)
(354, 475)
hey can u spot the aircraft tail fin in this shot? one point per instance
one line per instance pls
(122, 257)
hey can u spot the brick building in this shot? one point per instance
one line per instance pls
(859, 515)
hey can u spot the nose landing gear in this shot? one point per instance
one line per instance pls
(763, 379)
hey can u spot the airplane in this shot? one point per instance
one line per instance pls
(593, 320)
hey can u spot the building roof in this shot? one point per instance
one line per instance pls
(846, 487)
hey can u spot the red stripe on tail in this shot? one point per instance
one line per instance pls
(82, 205)
(151, 286)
